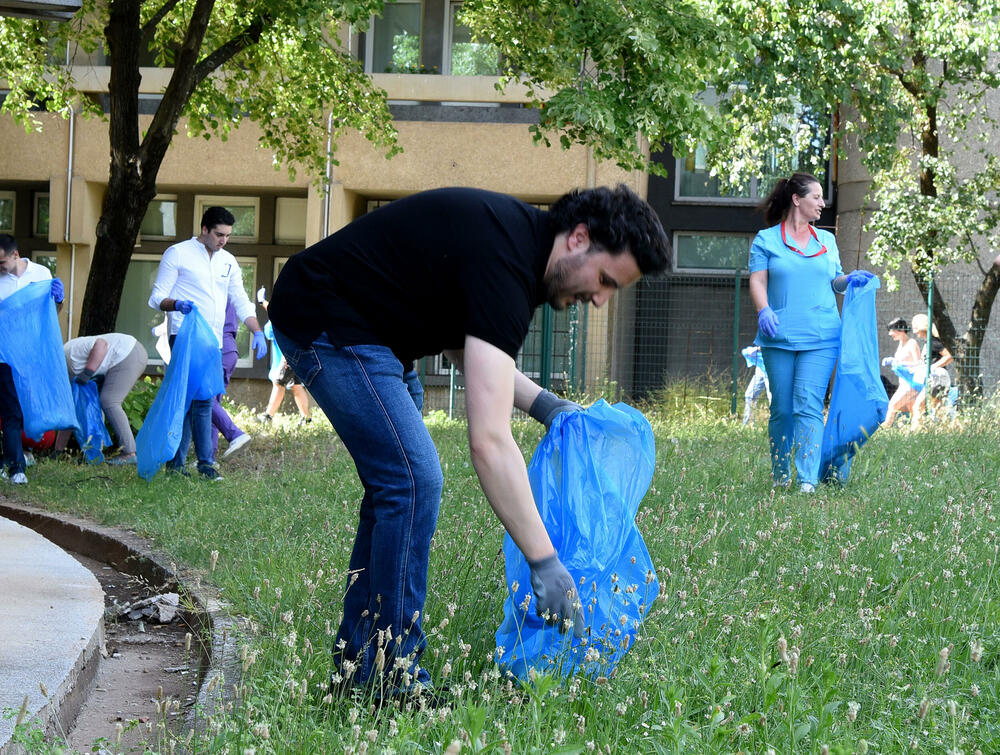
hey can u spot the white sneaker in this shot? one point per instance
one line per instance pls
(240, 441)
(807, 487)
(29, 459)
(19, 479)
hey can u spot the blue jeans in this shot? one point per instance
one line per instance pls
(11, 422)
(362, 390)
(197, 426)
(798, 381)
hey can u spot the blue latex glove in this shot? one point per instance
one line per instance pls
(58, 291)
(259, 345)
(183, 306)
(555, 594)
(767, 321)
(887, 362)
(858, 278)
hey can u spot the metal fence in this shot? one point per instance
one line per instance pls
(687, 331)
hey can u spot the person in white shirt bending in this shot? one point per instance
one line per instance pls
(200, 273)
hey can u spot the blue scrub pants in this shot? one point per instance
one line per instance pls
(798, 380)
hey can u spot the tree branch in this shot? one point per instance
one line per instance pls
(150, 26)
(222, 55)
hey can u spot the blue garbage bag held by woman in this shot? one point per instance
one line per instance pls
(31, 343)
(194, 372)
(588, 476)
(859, 401)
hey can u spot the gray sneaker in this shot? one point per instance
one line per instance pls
(239, 442)
(19, 479)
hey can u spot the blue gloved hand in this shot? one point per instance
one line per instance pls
(547, 405)
(183, 306)
(767, 321)
(555, 595)
(888, 361)
(859, 278)
(58, 291)
(259, 345)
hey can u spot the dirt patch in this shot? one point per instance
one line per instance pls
(146, 679)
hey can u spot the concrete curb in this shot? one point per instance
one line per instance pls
(213, 629)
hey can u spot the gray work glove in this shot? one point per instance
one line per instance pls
(84, 377)
(547, 405)
(555, 594)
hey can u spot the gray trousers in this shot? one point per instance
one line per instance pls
(117, 383)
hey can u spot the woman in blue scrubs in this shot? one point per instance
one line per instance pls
(794, 273)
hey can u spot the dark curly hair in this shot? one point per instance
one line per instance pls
(779, 201)
(214, 216)
(7, 244)
(618, 221)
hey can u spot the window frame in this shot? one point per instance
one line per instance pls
(204, 201)
(12, 196)
(39, 254)
(156, 361)
(370, 34)
(450, 8)
(720, 271)
(165, 198)
(246, 360)
(277, 221)
(34, 214)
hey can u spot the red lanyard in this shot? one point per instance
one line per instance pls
(795, 249)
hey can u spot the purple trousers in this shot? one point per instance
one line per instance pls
(221, 420)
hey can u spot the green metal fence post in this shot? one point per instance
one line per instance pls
(736, 339)
(545, 365)
(451, 393)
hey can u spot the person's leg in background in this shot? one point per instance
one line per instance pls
(221, 421)
(361, 390)
(415, 387)
(117, 383)
(780, 366)
(11, 425)
(302, 402)
(813, 369)
(273, 402)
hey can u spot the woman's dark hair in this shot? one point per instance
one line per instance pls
(618, 221)
(214, 216)
(778, 202)
(898, 324)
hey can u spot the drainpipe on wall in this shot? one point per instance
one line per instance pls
(327, 176)
(69, 202)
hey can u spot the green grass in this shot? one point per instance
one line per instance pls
(862, 619)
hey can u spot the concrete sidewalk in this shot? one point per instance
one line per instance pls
(51, 629)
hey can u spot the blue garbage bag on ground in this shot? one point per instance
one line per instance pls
(31, 343)
(194, 372)
(859, 402)
(588, 476)
(91, 434)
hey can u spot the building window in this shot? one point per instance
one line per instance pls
(695, 184)
(710, 252)
(246, 210)
(41, 218)
(393, 40)
(248, 267)
(135, 316)
(7, 201)
(160, 220)
(47, 259)
(465, 56)
(290, 220)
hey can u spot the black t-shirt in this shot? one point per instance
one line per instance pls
(420, 274)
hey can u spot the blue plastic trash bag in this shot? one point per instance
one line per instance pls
(906, 374)
(859, 402)
(92, 435)
(31, 343)
(588, 476)
(194, 372)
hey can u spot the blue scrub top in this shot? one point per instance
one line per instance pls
(798, 290)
